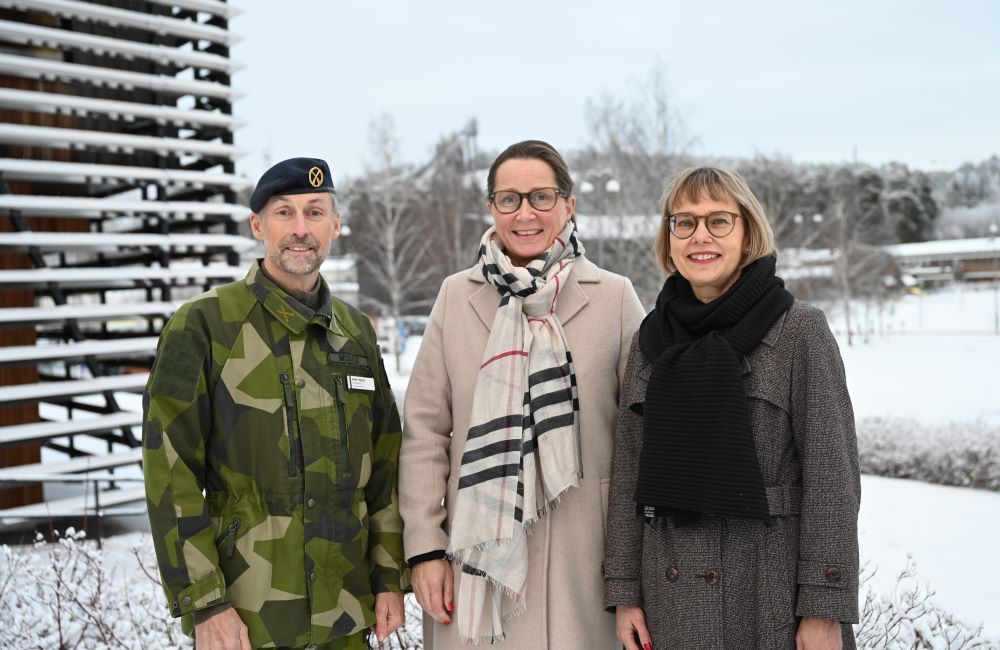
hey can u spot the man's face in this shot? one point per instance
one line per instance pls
(297, 231)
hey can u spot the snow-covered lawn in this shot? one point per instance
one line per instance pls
(937, 362)
(950, 532)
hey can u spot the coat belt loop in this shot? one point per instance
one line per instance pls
(784, 500)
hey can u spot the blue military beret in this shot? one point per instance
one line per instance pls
(292, 176)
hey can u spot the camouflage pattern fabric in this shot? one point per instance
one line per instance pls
(271, 440)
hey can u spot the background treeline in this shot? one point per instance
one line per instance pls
(415, 222)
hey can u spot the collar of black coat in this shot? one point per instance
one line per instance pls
(574, 297)
(286, 309)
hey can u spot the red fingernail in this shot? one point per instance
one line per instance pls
(647, 646)
(447, 621)
(451, 606)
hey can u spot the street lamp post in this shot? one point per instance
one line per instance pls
(994, 230)
(611, 187)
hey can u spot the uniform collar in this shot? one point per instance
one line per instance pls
(286, 309)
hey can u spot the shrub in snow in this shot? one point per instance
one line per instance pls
(965, 454)
(64, 595)
(71, 594)
(906, 619)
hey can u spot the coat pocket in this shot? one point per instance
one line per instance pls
(777, 585)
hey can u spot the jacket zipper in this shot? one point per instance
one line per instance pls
(293, 447)
(345, 450)
(230, 537)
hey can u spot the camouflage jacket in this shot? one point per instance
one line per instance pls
(271, 440)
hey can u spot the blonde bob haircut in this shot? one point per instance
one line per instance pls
(719, 184)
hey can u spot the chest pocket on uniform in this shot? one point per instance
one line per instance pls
(354, 390)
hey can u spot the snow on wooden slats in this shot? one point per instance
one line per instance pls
(14, 168)
(53, 102)
(35, 67)
(124, 17)
(24, 354)
(62, 206)
(63, 38)
(20, 433)
(76, 138)
(13, 316)
(109, 241)
(115, 276)
(132, 383)
(76, 506)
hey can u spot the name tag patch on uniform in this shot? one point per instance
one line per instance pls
(360, 383)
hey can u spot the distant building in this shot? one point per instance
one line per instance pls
(948, 260)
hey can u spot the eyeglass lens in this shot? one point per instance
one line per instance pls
(719, 224)
(507, 201)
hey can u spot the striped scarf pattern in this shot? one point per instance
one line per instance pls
(523, 446)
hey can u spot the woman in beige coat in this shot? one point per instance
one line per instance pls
(511, 407)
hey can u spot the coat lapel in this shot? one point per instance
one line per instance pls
(484, 298)
(573, 297)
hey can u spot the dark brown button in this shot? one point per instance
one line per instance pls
(712, 577)
(672, 574)
(301, 383)
(832, 574)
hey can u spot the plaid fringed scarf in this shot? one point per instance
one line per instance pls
(523, 447)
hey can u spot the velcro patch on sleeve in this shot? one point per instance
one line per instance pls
(178, 366)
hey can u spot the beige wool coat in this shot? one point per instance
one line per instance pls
(599, 312)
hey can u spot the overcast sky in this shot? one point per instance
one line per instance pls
(914, 81)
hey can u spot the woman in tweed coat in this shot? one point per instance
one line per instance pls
(732, 514)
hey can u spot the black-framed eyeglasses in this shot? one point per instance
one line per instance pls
(540, 198)
(682, 225)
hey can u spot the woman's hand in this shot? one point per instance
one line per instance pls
(629, 622)
(433, 584)
(818, 634)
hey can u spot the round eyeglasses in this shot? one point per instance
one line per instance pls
(682, 225)
(540, 198)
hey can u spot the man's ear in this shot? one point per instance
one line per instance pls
(256, 228)
(336, 224)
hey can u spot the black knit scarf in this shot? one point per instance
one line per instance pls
(698, 455)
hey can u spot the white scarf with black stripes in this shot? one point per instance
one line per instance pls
(523, 446)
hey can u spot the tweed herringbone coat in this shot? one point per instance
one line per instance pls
(599, 313)
(737, 583)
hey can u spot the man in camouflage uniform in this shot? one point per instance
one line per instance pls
(271, 441)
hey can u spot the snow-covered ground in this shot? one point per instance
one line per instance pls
(936, 360)
(950, 532)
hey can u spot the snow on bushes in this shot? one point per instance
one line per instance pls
(963, 454)
(71, 593)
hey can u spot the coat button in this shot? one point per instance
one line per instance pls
(672, 574)
(712, 577)
(301, 383)
(186, 600)
(312, 577)
(833, 574)
(311, 502)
